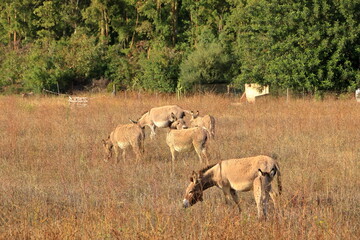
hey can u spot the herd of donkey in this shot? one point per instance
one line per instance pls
(232, 175)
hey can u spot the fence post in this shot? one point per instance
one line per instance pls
(114, 90)
(58, 88)
(287, 94)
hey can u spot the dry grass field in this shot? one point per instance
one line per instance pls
(55, 184)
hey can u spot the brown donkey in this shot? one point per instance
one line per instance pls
(207, 122)
(124, 136)
(244, 174)
(181, 140)
(161, 117)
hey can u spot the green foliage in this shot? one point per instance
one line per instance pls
(86, 56)
(298, 45)
(310, 46)
(119, 69)
(38, 74)
(208, 63)
(64, 63)
(159, 71)
(11, 68)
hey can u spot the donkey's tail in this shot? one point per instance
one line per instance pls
(143, 143)
(212, 126)
(278, 178)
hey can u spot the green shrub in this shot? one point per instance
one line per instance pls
(159, 71)
(208, 63)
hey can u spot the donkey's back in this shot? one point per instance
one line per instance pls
(163, 112)
(242, 172)
(127, 133)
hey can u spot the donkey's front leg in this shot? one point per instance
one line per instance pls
(235, 198)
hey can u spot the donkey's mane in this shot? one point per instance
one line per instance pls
(202, 171)
(144, 113)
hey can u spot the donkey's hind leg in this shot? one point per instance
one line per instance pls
(275, 197)
(198, 152)
(124, 155)
(137, 152)
(205, 154)
(116, 150)
(152, 134)
(258, 196)
(261, 198)
(173, 156)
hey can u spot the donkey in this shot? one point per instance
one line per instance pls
(124, 136)
(161, 117)
(244, 174)
(180, 140)
(207, 122)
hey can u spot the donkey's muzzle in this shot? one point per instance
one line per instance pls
(186, 203)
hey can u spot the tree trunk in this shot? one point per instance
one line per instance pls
(9, 33)
(136, 23)
(106, 21)
(174, 9)
(102, 26)
(158, 7)
(15, 39)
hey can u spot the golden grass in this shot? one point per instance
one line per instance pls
(55, 185)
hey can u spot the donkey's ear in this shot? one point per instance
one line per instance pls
(195, 176)
(195, 115)
(173, 118)
(273, 172)
(133, 121)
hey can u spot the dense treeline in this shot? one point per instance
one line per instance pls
(174, 45)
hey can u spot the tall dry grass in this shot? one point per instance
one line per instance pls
(55, 185)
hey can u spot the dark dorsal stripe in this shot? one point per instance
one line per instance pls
(202, 171)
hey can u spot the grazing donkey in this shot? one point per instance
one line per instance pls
(244, 174)
(207, 122)
(180, 140)
(161, 117)
(124, 136)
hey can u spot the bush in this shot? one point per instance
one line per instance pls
(159, 71)
(67, 63)
(11, 68)
(119, 69)
(209, 63)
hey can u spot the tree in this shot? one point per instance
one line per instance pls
(299, 45)
(17, 22)
(160, 44)
(159, 72)
(208, 63)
